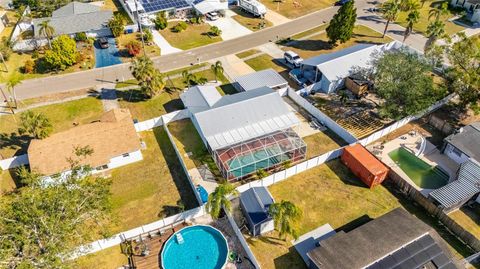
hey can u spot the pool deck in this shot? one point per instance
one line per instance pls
(412, 142)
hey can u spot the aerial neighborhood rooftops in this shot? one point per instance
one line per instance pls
(77, 17)
(394, 240)
(464, 144)
(268, 77)
(113, 139)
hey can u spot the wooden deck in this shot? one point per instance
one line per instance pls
(154, 244)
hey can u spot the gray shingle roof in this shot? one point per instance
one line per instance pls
(461, 190)
(371, 242)
(243, 116)
(468, 140)
(75, 18)
(268, 77)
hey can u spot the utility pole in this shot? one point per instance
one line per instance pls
(140, 28)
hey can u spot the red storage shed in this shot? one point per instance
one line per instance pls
(364, 165)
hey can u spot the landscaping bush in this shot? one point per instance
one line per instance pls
(215, 31)
(63, 53)
(29, 67)
(81, 36)
(161, 21)
(147, 35)
(134, 48)
(180, 27)
(116, 24)
(196, 20)
(5, 49)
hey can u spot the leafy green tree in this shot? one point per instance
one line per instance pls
(217, 69)
(285, 216)
(215, 31)
(464, 71)
(412, 18)
(435, 30)
(35, 124)
(151, 80)
(403, 80)
(180, 27)
(13, 81)
(161, 20)
(219, 199)
(390, 10)
(342, 24)
(117, 25)
(63, 53)
(147, 35)
(41, 225)
(47, 31)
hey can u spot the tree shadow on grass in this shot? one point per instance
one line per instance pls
(310, 45)
(180, 180)
(15, 141)
(290, 260)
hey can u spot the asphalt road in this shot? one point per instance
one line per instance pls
(112, 74)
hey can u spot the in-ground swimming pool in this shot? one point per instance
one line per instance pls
(203, 247)
(421, 173)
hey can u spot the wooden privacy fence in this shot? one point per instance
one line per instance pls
(434, 210)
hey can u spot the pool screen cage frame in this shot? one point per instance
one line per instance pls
(266, 152)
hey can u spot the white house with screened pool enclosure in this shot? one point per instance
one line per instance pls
(245, 132)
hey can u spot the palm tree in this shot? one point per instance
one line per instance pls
(14, 80)
(46, 30)
(35, 124)
(412, 18)
(217, 69)
(285, 215)
(220, 199)
(435, 30)
(189, 78)
(438, 11)
(409, 5)
(142, 68)
(150, 79)
(390, 10)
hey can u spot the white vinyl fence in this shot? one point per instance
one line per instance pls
(159, 121)
(154, 226)
(14, 162)
(242, 240)
(331, 124)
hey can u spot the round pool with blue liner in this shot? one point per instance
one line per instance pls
(203, 247)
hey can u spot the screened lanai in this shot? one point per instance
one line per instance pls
(265, 152)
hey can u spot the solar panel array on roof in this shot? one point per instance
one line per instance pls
(415, 255)
(158, 5)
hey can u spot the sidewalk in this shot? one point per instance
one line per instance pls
(162, 43)
(235, 67)
(276, 18)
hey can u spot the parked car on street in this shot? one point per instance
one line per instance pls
(212, 16)
(103, 42)
(292, 58)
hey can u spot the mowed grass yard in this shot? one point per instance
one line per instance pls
(196, 35)
(249, 21)
(322, 142)
(150, 48)
(151, 189)
(105, 259)
(421, 26)
(297, 8)
(318, 44)
(326, 194)
(469, 219)
(62, 116)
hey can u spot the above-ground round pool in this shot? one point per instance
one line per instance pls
(203, 247)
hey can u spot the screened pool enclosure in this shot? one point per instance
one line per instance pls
(265, 152)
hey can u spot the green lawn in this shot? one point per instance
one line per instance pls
(469, 219)
(264, 61)
(322, 142)
(249, 21)
(196, 35)
(151, 189)
(7, 181)
(318, 44)
(109, 258)
(191, 146)
(151, 49)
(310, 32)
(62, 116)
(247, 53)
(331, 194)
(421, 26)
(295, 9)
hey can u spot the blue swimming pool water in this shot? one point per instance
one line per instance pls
(204, 247)
(108, 56)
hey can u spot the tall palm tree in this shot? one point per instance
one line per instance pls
(435, 30)
(46, 30)
(438, 11)
(220, 199)
(217, 69)
(150, 79)
(14, 80)
(390, 10)
(285, 215)
(409, 5)
(36, 125)
(412, 18)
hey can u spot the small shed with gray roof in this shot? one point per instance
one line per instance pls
(255, 203)
(455, 194)
(77, 17)
(265, 78)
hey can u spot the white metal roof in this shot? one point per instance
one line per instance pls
(243, 116)
(208, 6)
(337, 65)
(199, 98)
(267, 77)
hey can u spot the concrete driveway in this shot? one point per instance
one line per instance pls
(230, 28)
(162, 43)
